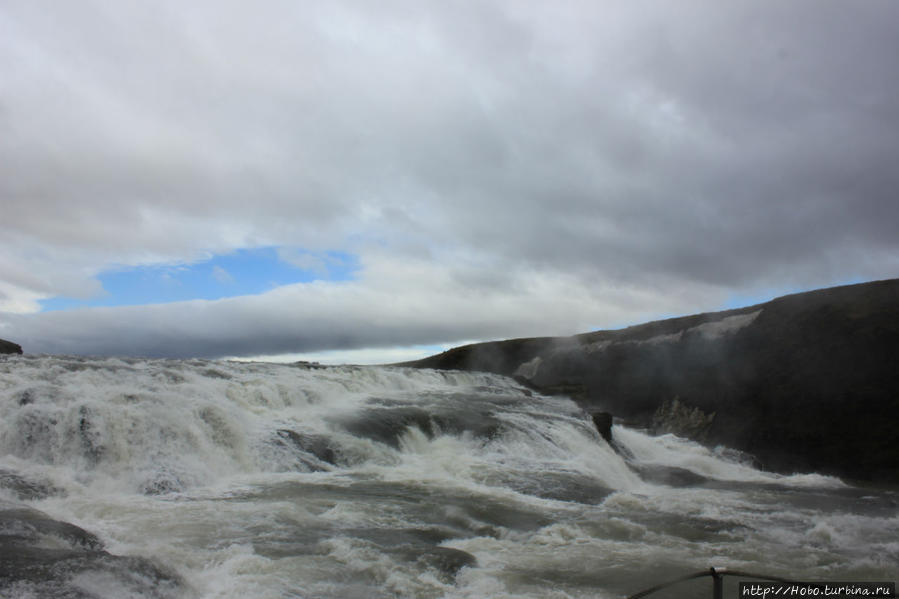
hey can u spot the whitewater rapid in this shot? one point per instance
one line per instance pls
(226, 479)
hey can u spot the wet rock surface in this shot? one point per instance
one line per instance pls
(447, 561)
(44, 557)
(387, 424)
(677, 417)
(25, 488)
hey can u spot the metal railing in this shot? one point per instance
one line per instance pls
(717, 575)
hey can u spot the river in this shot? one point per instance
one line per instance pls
(216, 479)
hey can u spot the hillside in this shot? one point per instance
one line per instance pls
(8, 347)
(805, 382)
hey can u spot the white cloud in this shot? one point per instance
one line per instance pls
(393, 305)
(221, 275)
(15, 300)
(304, 260)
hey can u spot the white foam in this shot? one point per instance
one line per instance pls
(674, 451)
(249, 521)
(167, 425)
(529, 369)
(726, 326)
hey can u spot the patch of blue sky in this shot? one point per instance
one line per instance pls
(242, 272)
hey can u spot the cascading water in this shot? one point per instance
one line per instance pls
(155, 478)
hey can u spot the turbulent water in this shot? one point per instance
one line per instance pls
(169, 479)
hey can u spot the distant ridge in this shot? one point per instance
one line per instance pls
(804, 382)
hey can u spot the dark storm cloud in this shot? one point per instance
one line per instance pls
(716, 149)
(737, 142)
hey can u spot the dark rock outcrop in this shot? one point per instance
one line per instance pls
(315, 446)
(43, 557)
(447, 561)
(805, 382)
(603, 423)
(8, 347)
(684, 421)
(25, 487)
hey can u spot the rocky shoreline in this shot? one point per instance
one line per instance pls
(803, 383)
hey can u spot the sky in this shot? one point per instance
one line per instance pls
(377, 181)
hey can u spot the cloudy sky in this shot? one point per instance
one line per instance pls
(370, 181)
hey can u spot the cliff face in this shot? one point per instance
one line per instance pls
(805, 382)
(8, 347)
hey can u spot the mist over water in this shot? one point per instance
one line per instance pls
(218, 479)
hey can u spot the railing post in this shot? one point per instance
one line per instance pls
(717, 582)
